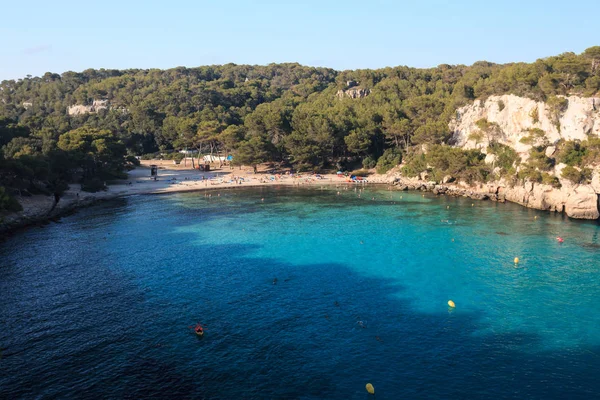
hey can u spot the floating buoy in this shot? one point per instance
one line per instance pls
(451, 303)
(472, 204)
(370, 388)
(516, 260)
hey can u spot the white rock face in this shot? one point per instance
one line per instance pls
(580, 119)
(353, 92)
(96, 106)
(518, 115)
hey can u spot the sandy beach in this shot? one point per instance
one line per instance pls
(171, 179)
(177, 178)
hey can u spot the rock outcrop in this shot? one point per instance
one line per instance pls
(517, 116)
(508, 120)
(353, 92)
(96, 106)
(577, 201)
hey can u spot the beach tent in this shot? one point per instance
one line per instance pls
(213, 158)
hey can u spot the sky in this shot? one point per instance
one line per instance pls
(38, 36)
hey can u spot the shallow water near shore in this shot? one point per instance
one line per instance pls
(305, 293)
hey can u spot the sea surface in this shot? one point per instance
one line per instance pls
(304, 294)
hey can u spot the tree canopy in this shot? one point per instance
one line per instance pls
(284, 113)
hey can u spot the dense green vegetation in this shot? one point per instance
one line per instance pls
(284, 113)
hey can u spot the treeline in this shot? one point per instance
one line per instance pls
(283, 113)
(39, 165)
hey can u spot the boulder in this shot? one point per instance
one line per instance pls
(582, 203)
(490, 158)
(448, 179)
(596, 181)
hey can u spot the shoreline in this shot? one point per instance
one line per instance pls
(40, 209)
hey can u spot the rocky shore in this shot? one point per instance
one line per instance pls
(41, 209)
(577, 201)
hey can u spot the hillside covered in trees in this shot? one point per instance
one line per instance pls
(87, 126)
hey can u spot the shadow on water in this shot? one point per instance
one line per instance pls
(96, 327)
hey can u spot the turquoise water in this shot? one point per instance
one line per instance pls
(305, 294)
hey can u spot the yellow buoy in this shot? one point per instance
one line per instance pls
(451, 303)
(516, 260)
(370, 388)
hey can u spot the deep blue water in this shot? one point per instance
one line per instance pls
(99, 305)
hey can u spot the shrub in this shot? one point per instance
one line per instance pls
(571, 152)
(7, 202)
(536, 135)
(529, 173)
(133, 160)
(538, 159)
(388, 160)
(592, 151)
(93, 185)
(415, 165)
(476, 136)
(557, 106)
(506, 155)
(173, 156)
(551, 180)
(369, 162)
(491, 129)
(575, 175)
(526, 140)
(535, 115)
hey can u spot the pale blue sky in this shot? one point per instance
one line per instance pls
(43, 35)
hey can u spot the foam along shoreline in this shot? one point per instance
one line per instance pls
(40, 209)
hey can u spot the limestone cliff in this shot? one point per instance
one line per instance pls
(515, 117)
(509, 119)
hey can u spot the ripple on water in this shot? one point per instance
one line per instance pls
(101, 305)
